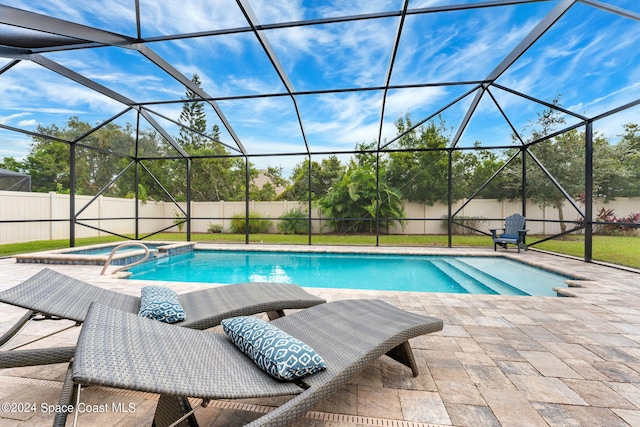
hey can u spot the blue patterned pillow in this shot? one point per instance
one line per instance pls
(160, 303)
(273, 350)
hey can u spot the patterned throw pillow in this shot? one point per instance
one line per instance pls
(273, 350)
(160, 303)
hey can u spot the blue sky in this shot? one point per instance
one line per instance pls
(590, 57)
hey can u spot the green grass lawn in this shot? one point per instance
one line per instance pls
(621, 250)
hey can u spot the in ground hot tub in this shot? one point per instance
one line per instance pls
(98, 254)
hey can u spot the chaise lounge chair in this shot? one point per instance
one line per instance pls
(513, 233)
(121, 350)
(56, 295)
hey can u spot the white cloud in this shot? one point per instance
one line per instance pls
(612, 127)
(342, 55)
(116, 16)
(358, 7)
(417, 4)
(51, 98)
(186, 16)
(592, 65)
(278, 10)
(5, 120)
(14, 145)
(407, 100)
(27, 123)
(610, 100)
(457, 46)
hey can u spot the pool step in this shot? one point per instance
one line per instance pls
(487, 279)
(463, 279)
(524, 277)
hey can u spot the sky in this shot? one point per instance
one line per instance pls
(589, 59)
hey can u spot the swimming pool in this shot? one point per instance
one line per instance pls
(418, 273)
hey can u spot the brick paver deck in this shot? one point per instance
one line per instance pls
(500, 360)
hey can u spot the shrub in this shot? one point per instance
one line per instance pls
(464, 224)
(256, 223)
(179, 220)
(294, 221)
(623, 228)
(214, 228)
(354, 200)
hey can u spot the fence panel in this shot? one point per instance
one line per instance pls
(25, 206)
(110, 213)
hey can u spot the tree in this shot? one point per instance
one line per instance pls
(193, 117)
(626, 155)
(48, 165)
(48, 160)
(420, 173)
(268, 191)
(150, 144)
(563, 158)
(215, 175)
(10, 163)
(323, 175)
(473, 169)
(263, 194)
(95, 169)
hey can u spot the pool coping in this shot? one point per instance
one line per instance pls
(573, 280)
(584, 281)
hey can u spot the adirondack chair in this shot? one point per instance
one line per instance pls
(513, 233)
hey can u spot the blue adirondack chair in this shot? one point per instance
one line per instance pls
(513, 233)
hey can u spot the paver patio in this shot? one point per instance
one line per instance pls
(499, 361)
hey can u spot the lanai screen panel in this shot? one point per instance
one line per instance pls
(317, 78)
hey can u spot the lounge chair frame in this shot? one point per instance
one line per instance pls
(55, 295)
(348, 334)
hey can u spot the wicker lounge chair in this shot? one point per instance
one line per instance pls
(117, 349)
(55, 295)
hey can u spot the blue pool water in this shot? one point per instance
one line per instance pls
(476, 275)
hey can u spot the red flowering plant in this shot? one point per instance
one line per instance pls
(609, 224)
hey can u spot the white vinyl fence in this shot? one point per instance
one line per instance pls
(50, 211)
